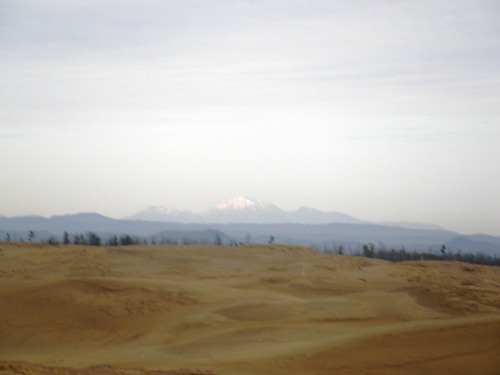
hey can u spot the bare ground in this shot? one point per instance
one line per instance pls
(242, 311)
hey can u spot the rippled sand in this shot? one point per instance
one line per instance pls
(240, 311)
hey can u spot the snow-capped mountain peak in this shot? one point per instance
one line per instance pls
(238, 203)
(241, 209)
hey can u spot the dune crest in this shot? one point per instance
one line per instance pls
(249, 310)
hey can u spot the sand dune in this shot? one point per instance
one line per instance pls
(250, 310)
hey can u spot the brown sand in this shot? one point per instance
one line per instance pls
(242, 311)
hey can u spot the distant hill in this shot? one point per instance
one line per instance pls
(474, 244)
(244, 210)
(405, 224)
(157, 213)
(201, 237)
(321, 236)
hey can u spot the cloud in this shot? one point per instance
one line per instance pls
(198, 88)
(337, 31)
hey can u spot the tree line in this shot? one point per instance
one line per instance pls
(93, 239)
(369, 250)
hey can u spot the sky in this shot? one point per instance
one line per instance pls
(385, 110)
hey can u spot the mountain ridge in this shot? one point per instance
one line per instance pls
(321, 236)
(244, 210)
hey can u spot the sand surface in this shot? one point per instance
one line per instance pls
(242, 311)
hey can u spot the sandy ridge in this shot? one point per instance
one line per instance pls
(25, 368)
(242, 311)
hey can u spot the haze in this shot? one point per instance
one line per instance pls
(383, 110)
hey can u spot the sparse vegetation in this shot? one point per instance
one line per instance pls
(402, 255)
(368, 250)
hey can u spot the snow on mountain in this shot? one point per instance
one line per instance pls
(239, 203)
(159, 213)
(245, 210)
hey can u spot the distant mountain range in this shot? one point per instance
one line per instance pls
(248, 210)
(244, 210)
(247, 220)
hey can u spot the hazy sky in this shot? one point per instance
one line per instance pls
(385, 110)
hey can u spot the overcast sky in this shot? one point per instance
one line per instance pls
(382, 109)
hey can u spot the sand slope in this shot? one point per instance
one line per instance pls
(250, 310)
